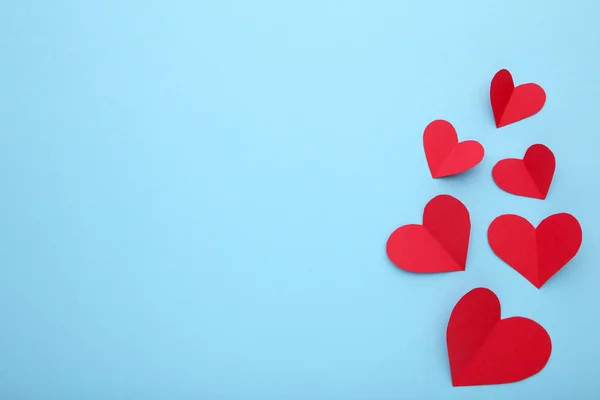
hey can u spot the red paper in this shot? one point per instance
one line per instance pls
(445, 155)
(511, 104)
(440, 244)
(529, 177)
(536, 253)
(486, 350)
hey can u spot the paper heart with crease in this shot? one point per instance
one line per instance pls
(484, 349)
(445, 154)
(529, 177)
(536, 253)
(440, 244)
(511, 104)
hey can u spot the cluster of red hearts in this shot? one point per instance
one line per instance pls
(484, 349)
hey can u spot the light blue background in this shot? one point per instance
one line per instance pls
(196, 195)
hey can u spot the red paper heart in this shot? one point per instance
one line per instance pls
(486, 350)
(536, 253)
(445, 155)
(511, 104)
(529, 177)
(439, 245)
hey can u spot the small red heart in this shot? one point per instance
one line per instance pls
(439, 245)
(511, 104)
(445, 155)
(484, 349)
(529, 177)
(536, 253)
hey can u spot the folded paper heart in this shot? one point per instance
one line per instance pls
(445, 154)
(511, 104)
(484, 349)
(529, 177)
(536, 253)
(440, 244)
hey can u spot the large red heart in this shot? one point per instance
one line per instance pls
(439, 245)
(529, 177)
(511, 104)
(536, 253)
(486, 350)
(445, 155)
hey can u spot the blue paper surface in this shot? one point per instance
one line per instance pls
(197, 194)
